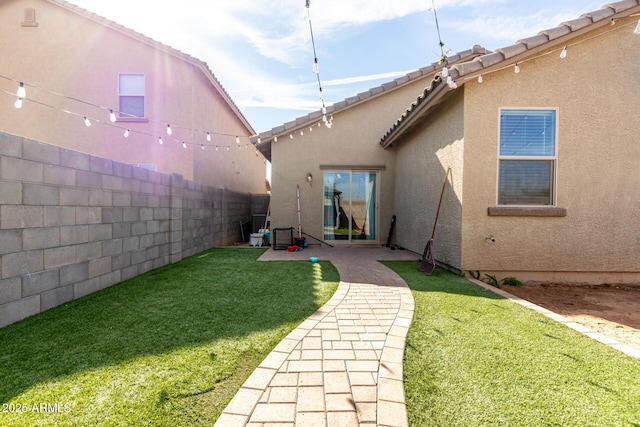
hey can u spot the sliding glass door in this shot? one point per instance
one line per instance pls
(350, 199)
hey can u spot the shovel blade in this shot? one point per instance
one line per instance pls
(426, 267)
(427, 263)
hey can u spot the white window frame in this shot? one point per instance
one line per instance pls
(123, 116)
(553, 158)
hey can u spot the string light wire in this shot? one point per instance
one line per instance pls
(316, 69)
(111, 113)
(126, 131)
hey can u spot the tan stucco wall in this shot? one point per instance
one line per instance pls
(77, 57)
(353, 140)
(595, 90)
(423, 159)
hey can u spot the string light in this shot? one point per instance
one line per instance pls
(160, 141)
(563, 54)
(316, 68)
(237, 139)
(202, 147)
(259, 141)
(184, 144)
(22, 92)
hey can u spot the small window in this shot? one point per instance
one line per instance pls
(148, 166)
(29, 18)
(131, 95)
(527, 157)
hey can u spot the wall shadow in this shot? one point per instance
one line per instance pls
(218, 294)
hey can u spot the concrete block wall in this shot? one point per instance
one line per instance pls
(72, 224)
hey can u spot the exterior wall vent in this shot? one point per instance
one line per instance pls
(30, 18)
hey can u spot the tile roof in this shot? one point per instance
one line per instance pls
(160, 46)
(506, 56)
(313, 117)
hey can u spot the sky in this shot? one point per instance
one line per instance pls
(262, 51)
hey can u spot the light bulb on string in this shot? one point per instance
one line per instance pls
(290, 136)
(315, 66)
(637, 30)
(126, 133)
(237, 139)
(22, 92)
(259, 141)
(18, 103)
(184, 144)
(87, 122)
(301, 133)
(275, 139)
(228, 148)
(202, 147)
(306, 15)
(516, 69)
(208, 137)
(563, 54)
(160, 141)
(217, 148)
(112, 116)
(169, 131)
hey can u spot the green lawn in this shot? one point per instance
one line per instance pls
(476, 359)
(168, 348)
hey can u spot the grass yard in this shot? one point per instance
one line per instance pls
(168, 348)
(476, 359)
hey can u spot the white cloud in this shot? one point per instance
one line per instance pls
(506, 27)
(362, 79)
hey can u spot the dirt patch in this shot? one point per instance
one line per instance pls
(612, 310)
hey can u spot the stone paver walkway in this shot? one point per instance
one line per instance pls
(343, 365)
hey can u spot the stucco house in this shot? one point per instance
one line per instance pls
(541, 139)
(76, 64)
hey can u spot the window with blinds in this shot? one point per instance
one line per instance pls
(527, 157)
(131, 95)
